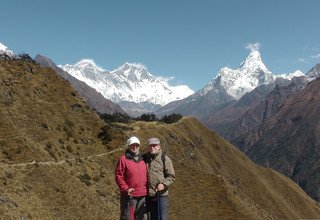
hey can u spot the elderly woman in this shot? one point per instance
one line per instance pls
(131, 178)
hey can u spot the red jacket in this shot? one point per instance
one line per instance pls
(130, 173)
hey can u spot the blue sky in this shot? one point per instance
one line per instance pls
(187, 41)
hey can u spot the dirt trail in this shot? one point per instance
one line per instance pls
(49, 163)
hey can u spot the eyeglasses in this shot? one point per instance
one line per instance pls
(134, 145)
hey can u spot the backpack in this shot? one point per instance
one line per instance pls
(163, 158)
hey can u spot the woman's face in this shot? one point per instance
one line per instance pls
(134, 148)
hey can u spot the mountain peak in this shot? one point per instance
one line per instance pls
(88, 63)
(255, 55)
(131, 67)
(129, 82)
(133, 71)
(253, 62)
(315, 71)
(2, 47)
(4, 50)
(128, 65)
(44, 61)
(237, 82)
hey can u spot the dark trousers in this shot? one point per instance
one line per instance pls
(137, 203)
(152, 207)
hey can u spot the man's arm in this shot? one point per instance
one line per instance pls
(169, 173)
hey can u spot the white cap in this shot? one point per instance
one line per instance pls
(133, 140)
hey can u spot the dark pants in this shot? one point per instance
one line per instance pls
(152, 207)
(137, 203)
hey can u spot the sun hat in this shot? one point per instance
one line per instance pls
(153, 141)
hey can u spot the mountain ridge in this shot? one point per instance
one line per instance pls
(227, 86)
(129, 82)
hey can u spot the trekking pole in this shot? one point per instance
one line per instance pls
(159, 206)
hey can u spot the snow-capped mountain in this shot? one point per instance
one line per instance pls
(227, 86)
(5, 51)
(314, 72)
(251, 74)
(130, 82)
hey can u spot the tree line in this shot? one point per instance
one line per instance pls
(124, 118)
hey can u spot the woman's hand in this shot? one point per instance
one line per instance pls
(130, 191)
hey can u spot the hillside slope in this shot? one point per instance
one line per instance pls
(290, 140)
(215, 179)
(57, 160)
(282, 132)
(42, 119)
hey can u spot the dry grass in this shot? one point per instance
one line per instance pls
(216, 181)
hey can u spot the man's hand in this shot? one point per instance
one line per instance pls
(160, 187)
(130, 191)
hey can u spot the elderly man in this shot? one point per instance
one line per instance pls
(160, 176)
(131, 178)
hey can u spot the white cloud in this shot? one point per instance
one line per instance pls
(316, 56)
(309, 59)
(254, 46)
(166, 79)
(302, 60)
(310, 48)
(91, 61)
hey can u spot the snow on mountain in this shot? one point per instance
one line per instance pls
(5, 50)
(251, 74)
(84, 70)
(314, 72)
(289, 76)
(129, 82)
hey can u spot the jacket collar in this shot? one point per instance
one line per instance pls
(154, 155)
(136, 158)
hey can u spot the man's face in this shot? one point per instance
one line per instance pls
(154, 148)
(134, 148)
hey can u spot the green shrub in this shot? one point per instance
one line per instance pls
(147, 117)
(105, 135)
(116, 117)
(170, 119)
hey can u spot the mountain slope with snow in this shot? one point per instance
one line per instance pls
(4, 51)
(130, 82)
(228, 85)
(251, 74)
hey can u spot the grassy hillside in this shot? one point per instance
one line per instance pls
(215, 179)
(57, 160)
(42, 119)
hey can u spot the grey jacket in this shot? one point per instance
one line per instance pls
(157, 175)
